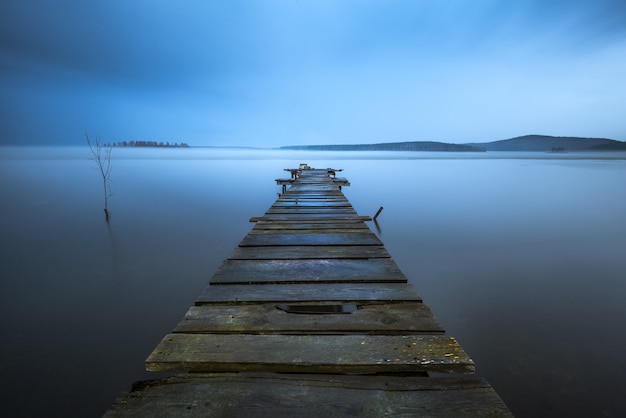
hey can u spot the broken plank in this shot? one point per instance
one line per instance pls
(309, 292)
(309, 353)
(372, 319)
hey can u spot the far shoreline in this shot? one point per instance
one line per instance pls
(79, 152)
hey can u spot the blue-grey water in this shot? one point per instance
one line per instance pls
(521, 256)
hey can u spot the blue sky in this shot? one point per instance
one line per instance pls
(281, 72)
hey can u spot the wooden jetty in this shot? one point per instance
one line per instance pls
(310, 316)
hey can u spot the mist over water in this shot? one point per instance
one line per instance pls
(521, 259)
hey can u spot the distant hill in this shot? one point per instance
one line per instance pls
(552, 143)
(539, 143)
(392, 146)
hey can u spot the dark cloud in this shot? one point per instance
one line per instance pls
(258, 72)
(139, 42)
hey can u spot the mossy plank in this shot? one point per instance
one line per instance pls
(318, 271)
(308, 292)
(383, 319)
(309, 252)
(309, 353)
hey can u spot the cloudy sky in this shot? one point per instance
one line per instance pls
(280, 72)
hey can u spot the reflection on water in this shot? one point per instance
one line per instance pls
(520, 259)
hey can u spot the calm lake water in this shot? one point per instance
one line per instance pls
(522, 257)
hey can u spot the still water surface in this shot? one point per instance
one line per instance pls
(522, 257)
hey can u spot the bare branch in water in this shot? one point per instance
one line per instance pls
(101, 154)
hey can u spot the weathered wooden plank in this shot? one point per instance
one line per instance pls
(318, 204)
(313, 186)
(312, 198)
(306, 184)
(303, 395)
(309, 292)
(310, 353)
(310, 218)
(383, 319)
(312, 193)
(375, 270)
(293, 222)
(315, 239)
(321, 181)
(311, 202)
(302, 198)
(300, 210)
(301, 230)
(309, 252)
(292, 226)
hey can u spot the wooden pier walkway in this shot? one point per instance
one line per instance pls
(310, 316)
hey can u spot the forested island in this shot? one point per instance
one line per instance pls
(535, 143)
(149, 144)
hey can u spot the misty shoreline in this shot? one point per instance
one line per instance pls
(79, 152)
